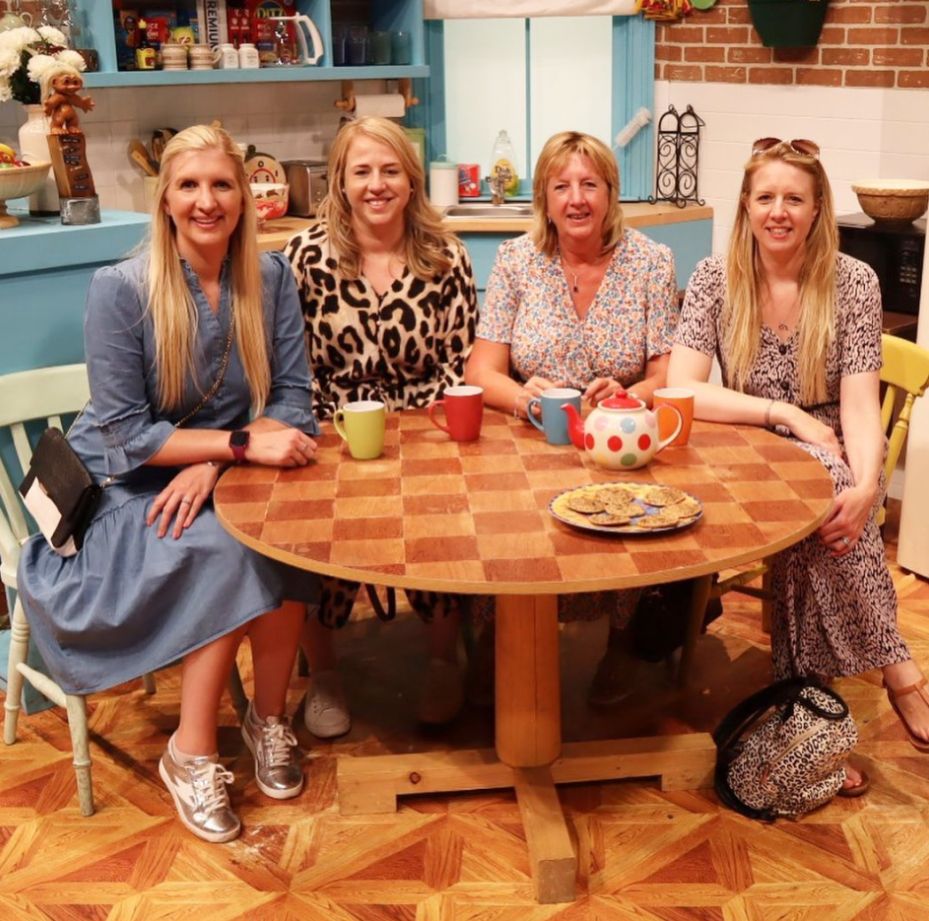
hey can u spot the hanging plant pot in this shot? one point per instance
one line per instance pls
(788, 23)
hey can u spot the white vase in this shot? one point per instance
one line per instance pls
(33, 147)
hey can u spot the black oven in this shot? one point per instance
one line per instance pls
(895, 252)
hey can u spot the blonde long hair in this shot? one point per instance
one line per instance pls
(817, 282)
(425, 240)
(174, 315)
(555, 154)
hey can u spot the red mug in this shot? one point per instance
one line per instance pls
(464, 410)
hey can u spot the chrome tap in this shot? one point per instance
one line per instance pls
(498, 181)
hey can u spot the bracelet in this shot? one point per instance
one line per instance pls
(767, 413)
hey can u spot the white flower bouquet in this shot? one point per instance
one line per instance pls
(25, 55)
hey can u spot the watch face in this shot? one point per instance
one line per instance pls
(239, 439)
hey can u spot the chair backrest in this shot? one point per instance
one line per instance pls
(906, 373)
(43, 395)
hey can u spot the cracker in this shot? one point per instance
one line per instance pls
(623, 506)
(609, 519)
(663, 495)
(586, 503)
(688, 507)
(654, 522)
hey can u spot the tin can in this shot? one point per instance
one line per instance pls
(469, 180)
(145, 58)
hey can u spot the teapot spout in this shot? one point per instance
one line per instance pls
(575, 425)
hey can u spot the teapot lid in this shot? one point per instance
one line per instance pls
(621, 400)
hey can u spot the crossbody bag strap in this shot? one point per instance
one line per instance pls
(383, 614)
(216, 384)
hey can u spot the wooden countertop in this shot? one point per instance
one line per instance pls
(637, 214)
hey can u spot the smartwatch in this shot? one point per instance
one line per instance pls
(238, 443)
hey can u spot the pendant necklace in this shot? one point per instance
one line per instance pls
(574, 286)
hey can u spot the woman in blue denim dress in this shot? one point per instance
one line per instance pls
(195, 357)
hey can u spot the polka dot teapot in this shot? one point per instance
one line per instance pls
(621, 433)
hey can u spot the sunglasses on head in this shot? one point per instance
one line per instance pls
(799, 146)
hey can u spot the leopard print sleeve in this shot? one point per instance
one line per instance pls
(699, 324)
(452, 336)
(313, 271)
(858, 303)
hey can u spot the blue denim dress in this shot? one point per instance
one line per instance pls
(129, 602)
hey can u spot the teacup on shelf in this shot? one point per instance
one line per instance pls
(270, 200)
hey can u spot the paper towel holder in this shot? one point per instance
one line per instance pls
(347, 102)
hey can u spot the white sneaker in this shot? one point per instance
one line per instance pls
(326, 709)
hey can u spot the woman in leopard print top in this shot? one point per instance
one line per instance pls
(796, 327)
(390, 309)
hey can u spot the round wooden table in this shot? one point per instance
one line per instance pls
(473, 518)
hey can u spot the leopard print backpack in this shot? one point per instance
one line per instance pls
(781, 752)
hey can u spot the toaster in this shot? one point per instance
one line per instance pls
(308, 185)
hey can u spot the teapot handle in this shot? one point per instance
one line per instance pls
(664, 442)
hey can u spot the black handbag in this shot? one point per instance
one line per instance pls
(60, 493)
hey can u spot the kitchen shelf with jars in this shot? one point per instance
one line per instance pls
(354, 40)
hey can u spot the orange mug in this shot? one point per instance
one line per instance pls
(681, 399)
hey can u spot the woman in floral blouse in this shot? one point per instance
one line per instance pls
(390, 310)
(583, 302)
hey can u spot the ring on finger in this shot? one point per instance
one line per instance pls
(186, 502)
(846, 541)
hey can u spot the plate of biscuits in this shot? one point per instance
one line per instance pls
(626, 508)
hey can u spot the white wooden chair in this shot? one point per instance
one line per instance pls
(45, 394)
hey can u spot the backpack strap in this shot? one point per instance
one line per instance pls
(746, 712)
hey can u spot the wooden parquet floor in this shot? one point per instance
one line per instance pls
(643, 854)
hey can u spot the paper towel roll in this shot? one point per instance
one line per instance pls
(388, 105)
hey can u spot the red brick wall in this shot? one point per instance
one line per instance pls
(881, 43)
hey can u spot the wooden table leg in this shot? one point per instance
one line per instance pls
(528, 680)
(551, 853)
(528, 701)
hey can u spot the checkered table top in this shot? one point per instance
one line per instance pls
(435, 514)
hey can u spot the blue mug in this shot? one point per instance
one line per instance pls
(554, 422)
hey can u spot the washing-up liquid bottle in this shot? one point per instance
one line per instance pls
(504, 157)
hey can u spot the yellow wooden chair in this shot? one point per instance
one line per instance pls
(45, 394)
(905, 374)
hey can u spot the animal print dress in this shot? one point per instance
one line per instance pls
(832, 617)
(402, 348)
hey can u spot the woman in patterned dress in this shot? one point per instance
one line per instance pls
(390, 310)
(195, 360)
(580, 301)
(796, 327)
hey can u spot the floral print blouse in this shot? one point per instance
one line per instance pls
(631, 320)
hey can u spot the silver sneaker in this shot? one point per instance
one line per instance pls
(278, 772)
(326, 711)
(198, 789)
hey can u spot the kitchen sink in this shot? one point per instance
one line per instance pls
(483, 209)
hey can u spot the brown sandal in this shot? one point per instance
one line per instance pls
(895, 694)
(859, 789)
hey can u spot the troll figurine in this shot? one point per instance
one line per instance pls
(62, 85)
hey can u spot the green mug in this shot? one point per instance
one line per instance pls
(361, 424)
